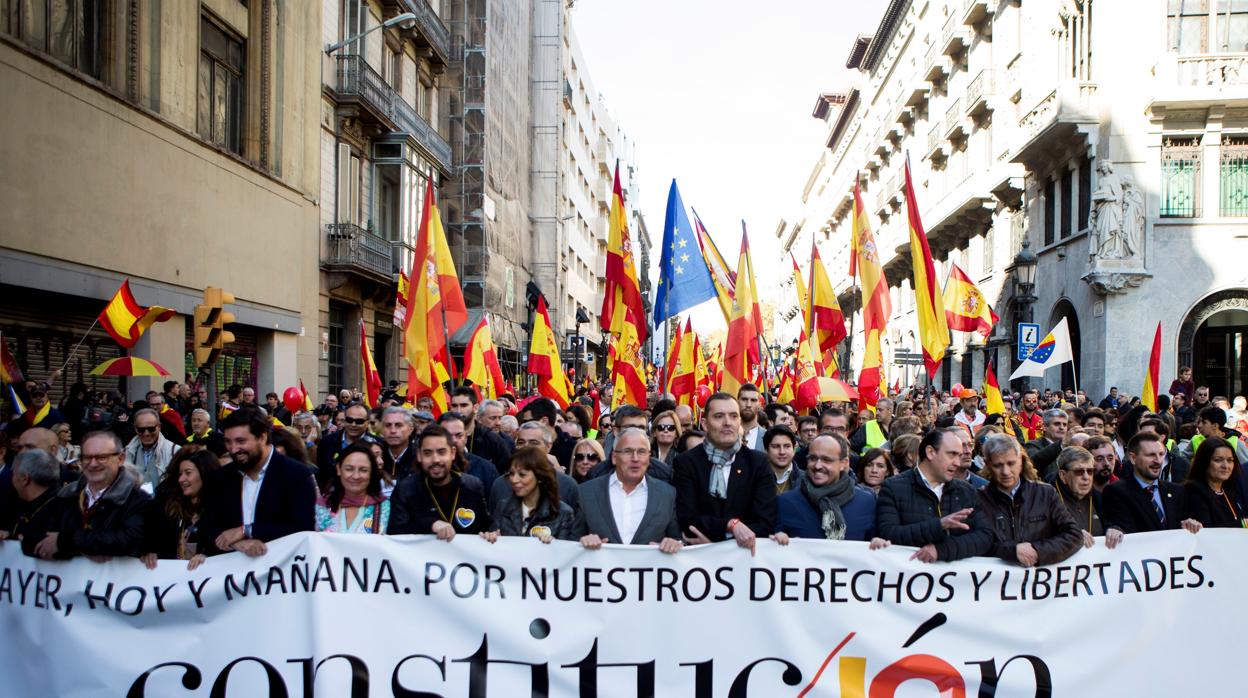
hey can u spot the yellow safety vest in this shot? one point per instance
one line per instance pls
(875, 436)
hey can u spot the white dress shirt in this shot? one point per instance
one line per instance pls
(939, 489)
(251, 492)
(628, 508)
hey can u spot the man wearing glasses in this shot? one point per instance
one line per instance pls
(1075, 469)
(629, 506)
(630, 417)
(149, 450)
(102, 515)
(354, 425)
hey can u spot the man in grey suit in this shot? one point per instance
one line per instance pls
(629, 506)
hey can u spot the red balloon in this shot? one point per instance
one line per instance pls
(293, 399)
(957, 388)
(593, 394)
(703, 392)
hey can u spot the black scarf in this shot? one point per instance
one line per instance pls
(828, 500)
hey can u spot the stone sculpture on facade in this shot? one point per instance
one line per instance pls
(1116, 232)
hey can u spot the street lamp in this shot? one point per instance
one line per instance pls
(581, 319)
(1024, 271)
(407, 20)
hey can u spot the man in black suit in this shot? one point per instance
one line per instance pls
(261, 497)
(354, 426)
(629, 506)
(723, 490)
(1142, 501)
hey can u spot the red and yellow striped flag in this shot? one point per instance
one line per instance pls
(434, 293)
(966, 309)
(368, 372)
(544, 358)
(1148, 397)
(622, 301)
(827, 322)
(481, 362)
(929, 304)
(125, 320)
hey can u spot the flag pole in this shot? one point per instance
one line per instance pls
(78, 346)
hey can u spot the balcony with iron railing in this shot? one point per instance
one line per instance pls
(433, 31)
(358, 84)
(936, 143)
(1069, 110)
(936, 66)
(976, 11)
(953, 38)
(979, 92)
(354, 250)
(954, 125)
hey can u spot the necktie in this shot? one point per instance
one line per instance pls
(1161, 514)
(719, 483)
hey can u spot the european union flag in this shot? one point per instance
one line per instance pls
(684, 279)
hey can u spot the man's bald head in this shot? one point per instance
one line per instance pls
(40, 438)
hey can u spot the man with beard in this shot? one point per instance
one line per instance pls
(466, 462)
(440, 500)
(724, 491)
(1141, 501)
(750, 401)
(1076, 473)
(479, 440)
(1104, 461)
(1029, 418)
(825, 504)
(261, 497)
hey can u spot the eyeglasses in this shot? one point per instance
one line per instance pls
(98, 457)
(665, 427)
(822, 459)
(591, 457)
(146, 430)
(1080, 472)
(634, 452)
(356, 422)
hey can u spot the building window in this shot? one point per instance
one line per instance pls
(1085, 193)
(1076, 35)
(1180, 177)
(1202, 26)
(1050, 212)
(337, 348)
(1068, 201)
(220, 115)
(68, 30)
(1233, 178)
(990, 239)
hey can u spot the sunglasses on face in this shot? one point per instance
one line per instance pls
(665, 427)
(356, 422)
(591, 457)
(146, 430)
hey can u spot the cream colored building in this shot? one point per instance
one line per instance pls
(171, 143)
(382, 140)
(593, 143)
(1008, 112)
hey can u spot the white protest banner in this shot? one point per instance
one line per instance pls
(343, 615)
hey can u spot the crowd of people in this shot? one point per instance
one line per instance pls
(166, 479)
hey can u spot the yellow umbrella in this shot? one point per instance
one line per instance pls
(129, 366)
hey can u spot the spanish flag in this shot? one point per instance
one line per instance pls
(865, 264)
(481, 362)
(827, 322)
(125, 320)
(307, 399)
(724, 278)
(9, 370)
(629, 378)
(433, 294)
(993, 404)
(622, 301)
(966, 309)
(1149, 395)
(368, 372)
(929, 304)
(741, 350)
(803, 299)
(544, 358)
(871, 376)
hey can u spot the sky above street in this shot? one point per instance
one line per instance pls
(718, 94)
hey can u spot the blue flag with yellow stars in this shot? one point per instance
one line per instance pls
(684, 279)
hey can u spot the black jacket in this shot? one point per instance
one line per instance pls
(1129, 507)
(1043, 454)
(32, 520)
(1035, 515)
(286, 503)
(163, 533)
(490, 446)
(908, 513)
(413, 510)
(1086, 512)
(751, 494)
(508, 519)
(404, 466)
(115, 525)
(1213, 511)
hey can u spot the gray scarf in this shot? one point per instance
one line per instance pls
(828, 500)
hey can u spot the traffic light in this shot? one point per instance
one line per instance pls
(210, 317)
